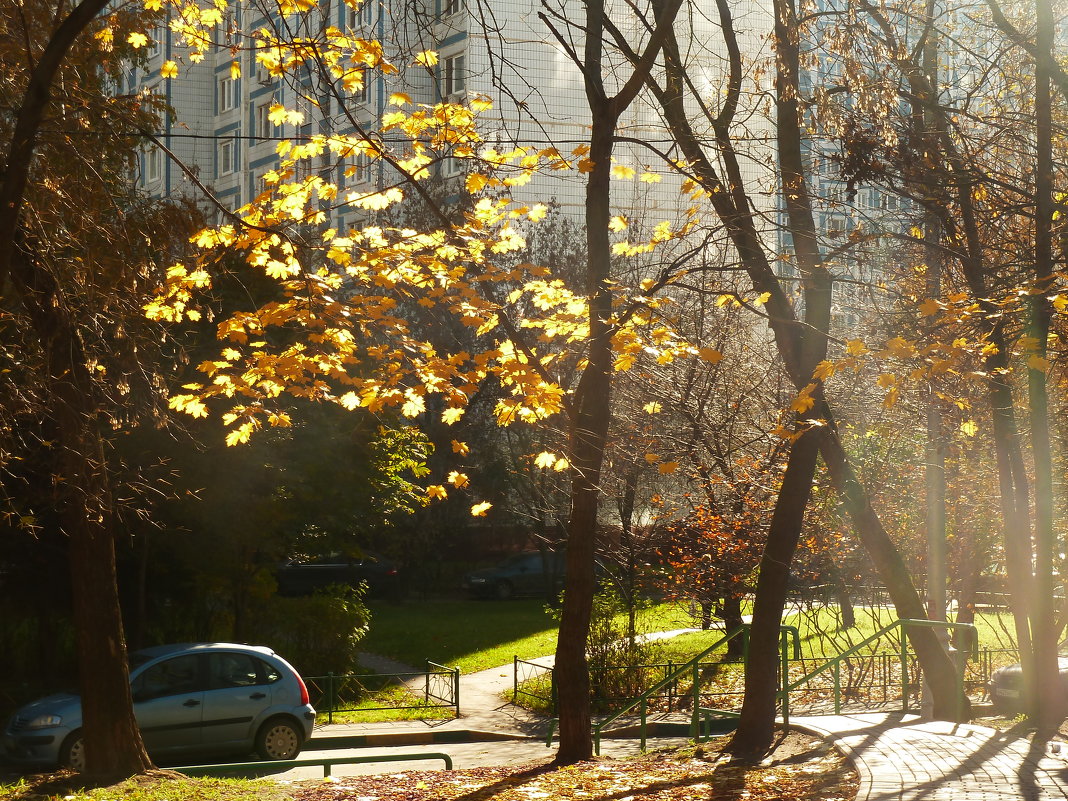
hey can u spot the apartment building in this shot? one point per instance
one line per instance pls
(224, 142)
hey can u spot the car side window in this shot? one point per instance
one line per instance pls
(269, 672)
(170, 677)
(233, 670)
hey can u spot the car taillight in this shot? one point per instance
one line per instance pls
(305, 699)
(391, 572)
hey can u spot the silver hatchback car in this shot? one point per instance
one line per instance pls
(194, 698)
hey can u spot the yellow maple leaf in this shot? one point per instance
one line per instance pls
(804, 400)
(137, 39)
(823, 371)
(622, 172)
(561, 464)
(652, 458)
(969, 428)
(856, 347)
(710, 355)
(617, 223)
(235, 69)
(428, 58)
(545, 460)
(1040, 363)
(400, 99)
(930, 307)
(667, 467)
(585, 165)
(480, 509)
(649, 178)
(168, 69)
(451, 415)
(437, 491)
(460, 448)
(652, 408)
(458, 479)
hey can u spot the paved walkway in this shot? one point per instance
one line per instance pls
(902, 758)
(899, 757)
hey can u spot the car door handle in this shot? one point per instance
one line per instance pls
(257, 696)
(192, 702)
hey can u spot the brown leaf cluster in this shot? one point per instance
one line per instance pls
(800, 769)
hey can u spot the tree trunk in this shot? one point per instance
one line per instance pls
(757, 721)
(938, 668)
(113, 741)
(588, 434)
(732, 619)
(1047, 704)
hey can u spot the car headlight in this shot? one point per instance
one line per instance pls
(44, 722)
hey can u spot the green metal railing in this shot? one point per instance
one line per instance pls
(436, 687)
(277, 766)
(835, 665)
(692, 667)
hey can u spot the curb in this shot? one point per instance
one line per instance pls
(388, 739)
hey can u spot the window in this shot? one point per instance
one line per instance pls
(159, 33)
(357, 169)
(455, 74)
(363, 94)
(450, 7)
(174, 677)
(451, 166)
(153, 165)
(227, 157)
(264, 126)
(227, 94)
(365, 16)
(234, 670)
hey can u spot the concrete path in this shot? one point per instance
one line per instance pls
(899, 757)
(902, 758)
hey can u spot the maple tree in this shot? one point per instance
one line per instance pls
(78, 252)
(348, 300)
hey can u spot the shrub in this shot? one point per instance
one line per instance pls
(318, 634)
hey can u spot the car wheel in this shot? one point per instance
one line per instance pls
(504, 590)
(279, 739)
(72, 754)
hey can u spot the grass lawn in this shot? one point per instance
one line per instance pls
(477, 635)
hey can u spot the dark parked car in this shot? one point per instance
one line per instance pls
(1006, 687)
(527, 573)
(305, 575)
(207, 699)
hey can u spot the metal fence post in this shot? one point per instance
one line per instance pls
(904, 670)
(784, 668)
(331, 701)
(456, 688)
(515, 677)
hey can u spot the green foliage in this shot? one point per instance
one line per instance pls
(318, 634)
(613, 656)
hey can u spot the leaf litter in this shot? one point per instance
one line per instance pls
(801, 768)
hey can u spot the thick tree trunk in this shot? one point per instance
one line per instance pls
(756, 724)
(113, 741)
(1047, 704)
(589, 431)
